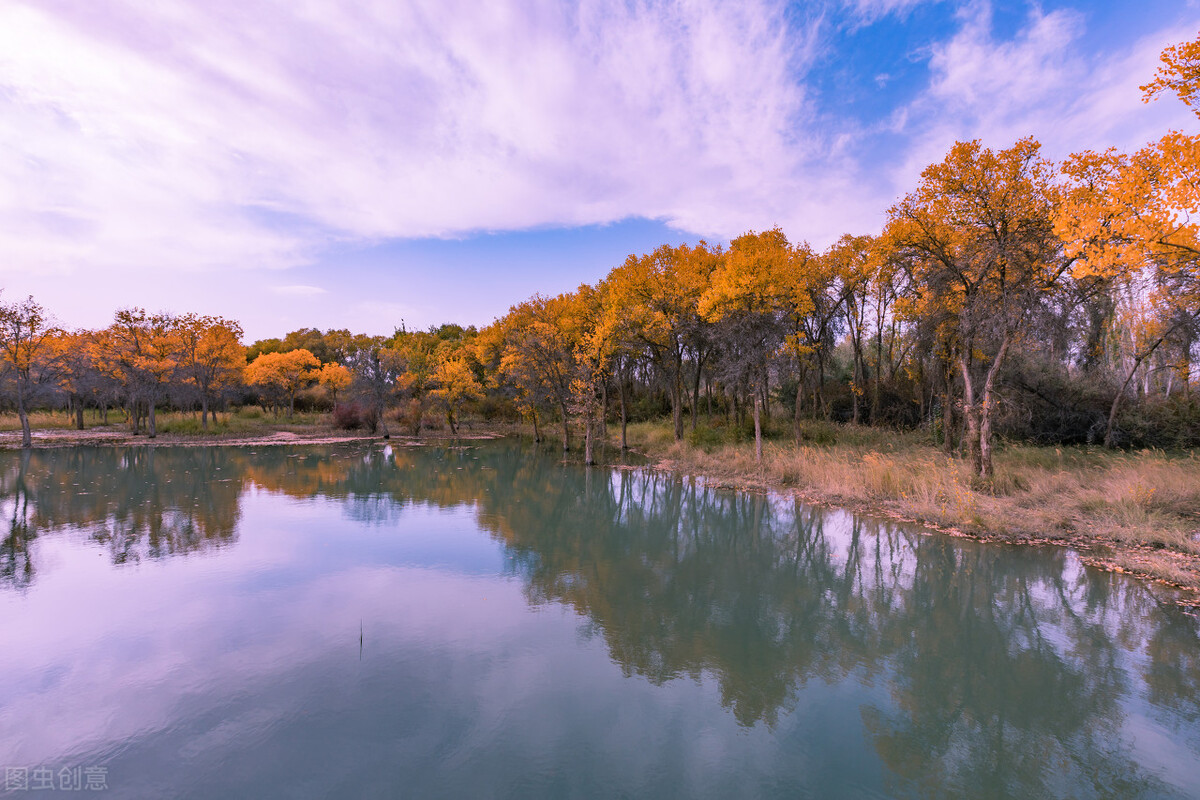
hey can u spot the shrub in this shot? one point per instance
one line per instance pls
(348, 416)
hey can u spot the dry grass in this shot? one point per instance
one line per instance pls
(1138, 511)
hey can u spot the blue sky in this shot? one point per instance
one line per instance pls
(358, 164)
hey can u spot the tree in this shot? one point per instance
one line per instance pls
(980, 235)
(211, 356)
(142, 352)
(26, 332)
(854, 263)
(78, 374)
(377, 366)
(283, 374)
(455, 383)
(750, 293)
(659, 295)
(1129, 220)
(1179, 73)
(539, 352)
(335, 378)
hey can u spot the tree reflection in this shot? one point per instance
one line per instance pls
(139, 502)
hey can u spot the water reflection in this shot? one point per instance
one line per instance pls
(980, 670)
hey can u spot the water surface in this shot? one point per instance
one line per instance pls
(489, 621)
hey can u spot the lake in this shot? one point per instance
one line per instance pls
(488, 620)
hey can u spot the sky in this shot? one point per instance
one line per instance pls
(376, 163)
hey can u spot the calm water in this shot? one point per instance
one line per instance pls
(487, 621)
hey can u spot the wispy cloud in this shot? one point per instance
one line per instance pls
(1039, 83)
(298, 290)
(139, 135)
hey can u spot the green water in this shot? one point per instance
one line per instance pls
(490, 621)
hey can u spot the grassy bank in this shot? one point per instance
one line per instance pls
(1136, 512)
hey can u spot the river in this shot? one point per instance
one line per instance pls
(489, 620)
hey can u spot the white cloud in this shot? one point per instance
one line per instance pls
(197, 135)
(298, 290)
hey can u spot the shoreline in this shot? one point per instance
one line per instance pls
(1175, 571)
(117, 436)
(727, 467)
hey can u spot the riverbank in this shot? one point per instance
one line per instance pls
(238, 429)
(1136, 512)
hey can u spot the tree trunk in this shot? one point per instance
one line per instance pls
(948, 407)
(948, 418)
(204, 411)
(878, 377)
(603, 420)
(79, 413)
(985, 413)
(23, 413)
(696, 395)
(566, 427)
(450, 419)
(587, 437)
(821, 382)
(796, 412)
(971, 411)
(758, 448)
(380, 408)
(153, 429)
(537, 435)
(1110, 429)
(677, 401)
(624, 418)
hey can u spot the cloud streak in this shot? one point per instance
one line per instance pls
(184, 130)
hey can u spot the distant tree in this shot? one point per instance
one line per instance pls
(335, 378)
(377, 366)
(211, 356)
(141, 351)
(283, 375)
(26, 336)
(454, 384)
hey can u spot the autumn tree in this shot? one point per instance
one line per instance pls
(853, 261)
(979, 230)
(26, 334)
(539, 353)
(815, 302)
(335, 378)
(1130, 221)
(211, 356)
(283, 375)
(78, 374)
(142, 352)
(454, 384)
(659, 294)
(749, 297)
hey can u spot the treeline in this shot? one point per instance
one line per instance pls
(144, 362)
(1058, 303)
